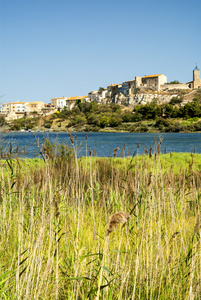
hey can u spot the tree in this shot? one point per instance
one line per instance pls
(101, 89)
(128, 116)
(168, 110)
(174, 82)
(2, 120)
(104, 121)
(115, 120)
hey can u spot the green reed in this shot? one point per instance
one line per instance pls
(54, 217)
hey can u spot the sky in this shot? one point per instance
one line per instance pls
(59, 48)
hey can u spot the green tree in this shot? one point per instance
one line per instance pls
(103, 121)
(168, 110)
(115, 120)
(2, 120)
(137, 117)
(93, 119)
(149, 111)
(174, 82)
(101, 89)
(128, 116)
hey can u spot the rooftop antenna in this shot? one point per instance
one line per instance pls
(196, 66)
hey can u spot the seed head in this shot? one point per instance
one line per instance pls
(117, 218)
(71, 137)
(115, 151)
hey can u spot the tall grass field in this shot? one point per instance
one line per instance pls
(59, 238)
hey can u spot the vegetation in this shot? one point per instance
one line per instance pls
(91, 116)
(174, 82)
(24, 123)
(56, 242)
(170, 116)
(101, 89)
(2, 120)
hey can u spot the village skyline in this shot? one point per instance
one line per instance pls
(156, 81)
(141, 90)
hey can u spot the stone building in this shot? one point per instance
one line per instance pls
(151, 81)
(114, 89)
(196, 78)
(128, 87)
(36, 106)
(71, 101)
(196, 83)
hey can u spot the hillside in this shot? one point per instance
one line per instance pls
(175, 116)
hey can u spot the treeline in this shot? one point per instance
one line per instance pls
(91, 116)
(24, 123)
(168, 110)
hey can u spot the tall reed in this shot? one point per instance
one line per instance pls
(55, 241)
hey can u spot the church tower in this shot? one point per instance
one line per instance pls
(196, 78)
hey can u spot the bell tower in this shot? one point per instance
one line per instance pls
(196, 77)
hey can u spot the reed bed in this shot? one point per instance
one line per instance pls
(58, 241)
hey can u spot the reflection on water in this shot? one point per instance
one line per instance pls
(103, 144)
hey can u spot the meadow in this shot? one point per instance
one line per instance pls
(55, 241)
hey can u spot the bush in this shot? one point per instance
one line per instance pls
(197, 126)
(197, 96)
(78, 120)
(16, 127)
(195, 119)
(175, 100)
(162, 122)
(48, 125)
(128, 117)
(175, 127)
(144, 128)
(116, 108)
(115, 121)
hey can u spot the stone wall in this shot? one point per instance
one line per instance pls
(179, 86)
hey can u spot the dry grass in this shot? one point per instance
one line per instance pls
(56, 242)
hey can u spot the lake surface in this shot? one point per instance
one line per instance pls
(103, 144)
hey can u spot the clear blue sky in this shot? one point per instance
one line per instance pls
(68, 48)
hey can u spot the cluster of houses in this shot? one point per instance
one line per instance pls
(16, 110)
(124, 93)
(129, 89)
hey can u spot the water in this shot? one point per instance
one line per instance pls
(103, 144)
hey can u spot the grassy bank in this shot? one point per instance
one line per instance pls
(54, 218)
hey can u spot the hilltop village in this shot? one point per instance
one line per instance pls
(141, 90)
(145, 104)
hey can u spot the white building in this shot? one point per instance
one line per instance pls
(98, 96)
(59, 102)
(15, 107)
